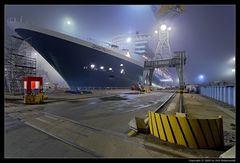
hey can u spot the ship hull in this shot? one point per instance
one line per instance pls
(73, 62)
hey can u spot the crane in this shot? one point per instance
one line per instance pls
(163, 49)
(170, 10)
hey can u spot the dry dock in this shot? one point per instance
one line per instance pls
(96, 125)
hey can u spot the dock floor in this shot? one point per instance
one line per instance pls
(97, 124)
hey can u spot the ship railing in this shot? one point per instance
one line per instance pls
(103, 44)
(87, 39)
(112, 49)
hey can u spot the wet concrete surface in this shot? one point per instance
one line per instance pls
(109, 112)
(22, 141)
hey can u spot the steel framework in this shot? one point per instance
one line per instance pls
(18, 63)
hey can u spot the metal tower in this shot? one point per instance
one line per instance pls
(163, 50)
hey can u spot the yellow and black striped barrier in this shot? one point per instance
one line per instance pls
(35, 99)
(192, 133)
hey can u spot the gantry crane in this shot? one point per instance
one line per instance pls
(170, 10)
(163, 49)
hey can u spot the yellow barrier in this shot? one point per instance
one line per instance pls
(34, 99)
(192, 133)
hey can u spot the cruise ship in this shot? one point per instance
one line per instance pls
(85, 63)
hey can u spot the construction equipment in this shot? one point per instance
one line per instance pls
(33, 90)
(141, 88)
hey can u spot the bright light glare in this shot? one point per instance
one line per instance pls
(155, 85)
(121, 65)
(68, 22)
(163, 27)
(177, 80)
(110, 69)
(128, 55)
(201, 76)
(145, 57)
(129, 39)
(169, 28)
(101, 67)
(122, 71)
(92, 65)
(166, 80)
(156, 31)
(233, 58)
(233, 70)
(34, 53)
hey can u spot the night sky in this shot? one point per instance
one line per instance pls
(206, 32)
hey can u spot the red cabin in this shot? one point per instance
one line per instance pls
(32, 84)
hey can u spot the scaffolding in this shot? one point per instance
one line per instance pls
(18, 63)
(44, 74)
